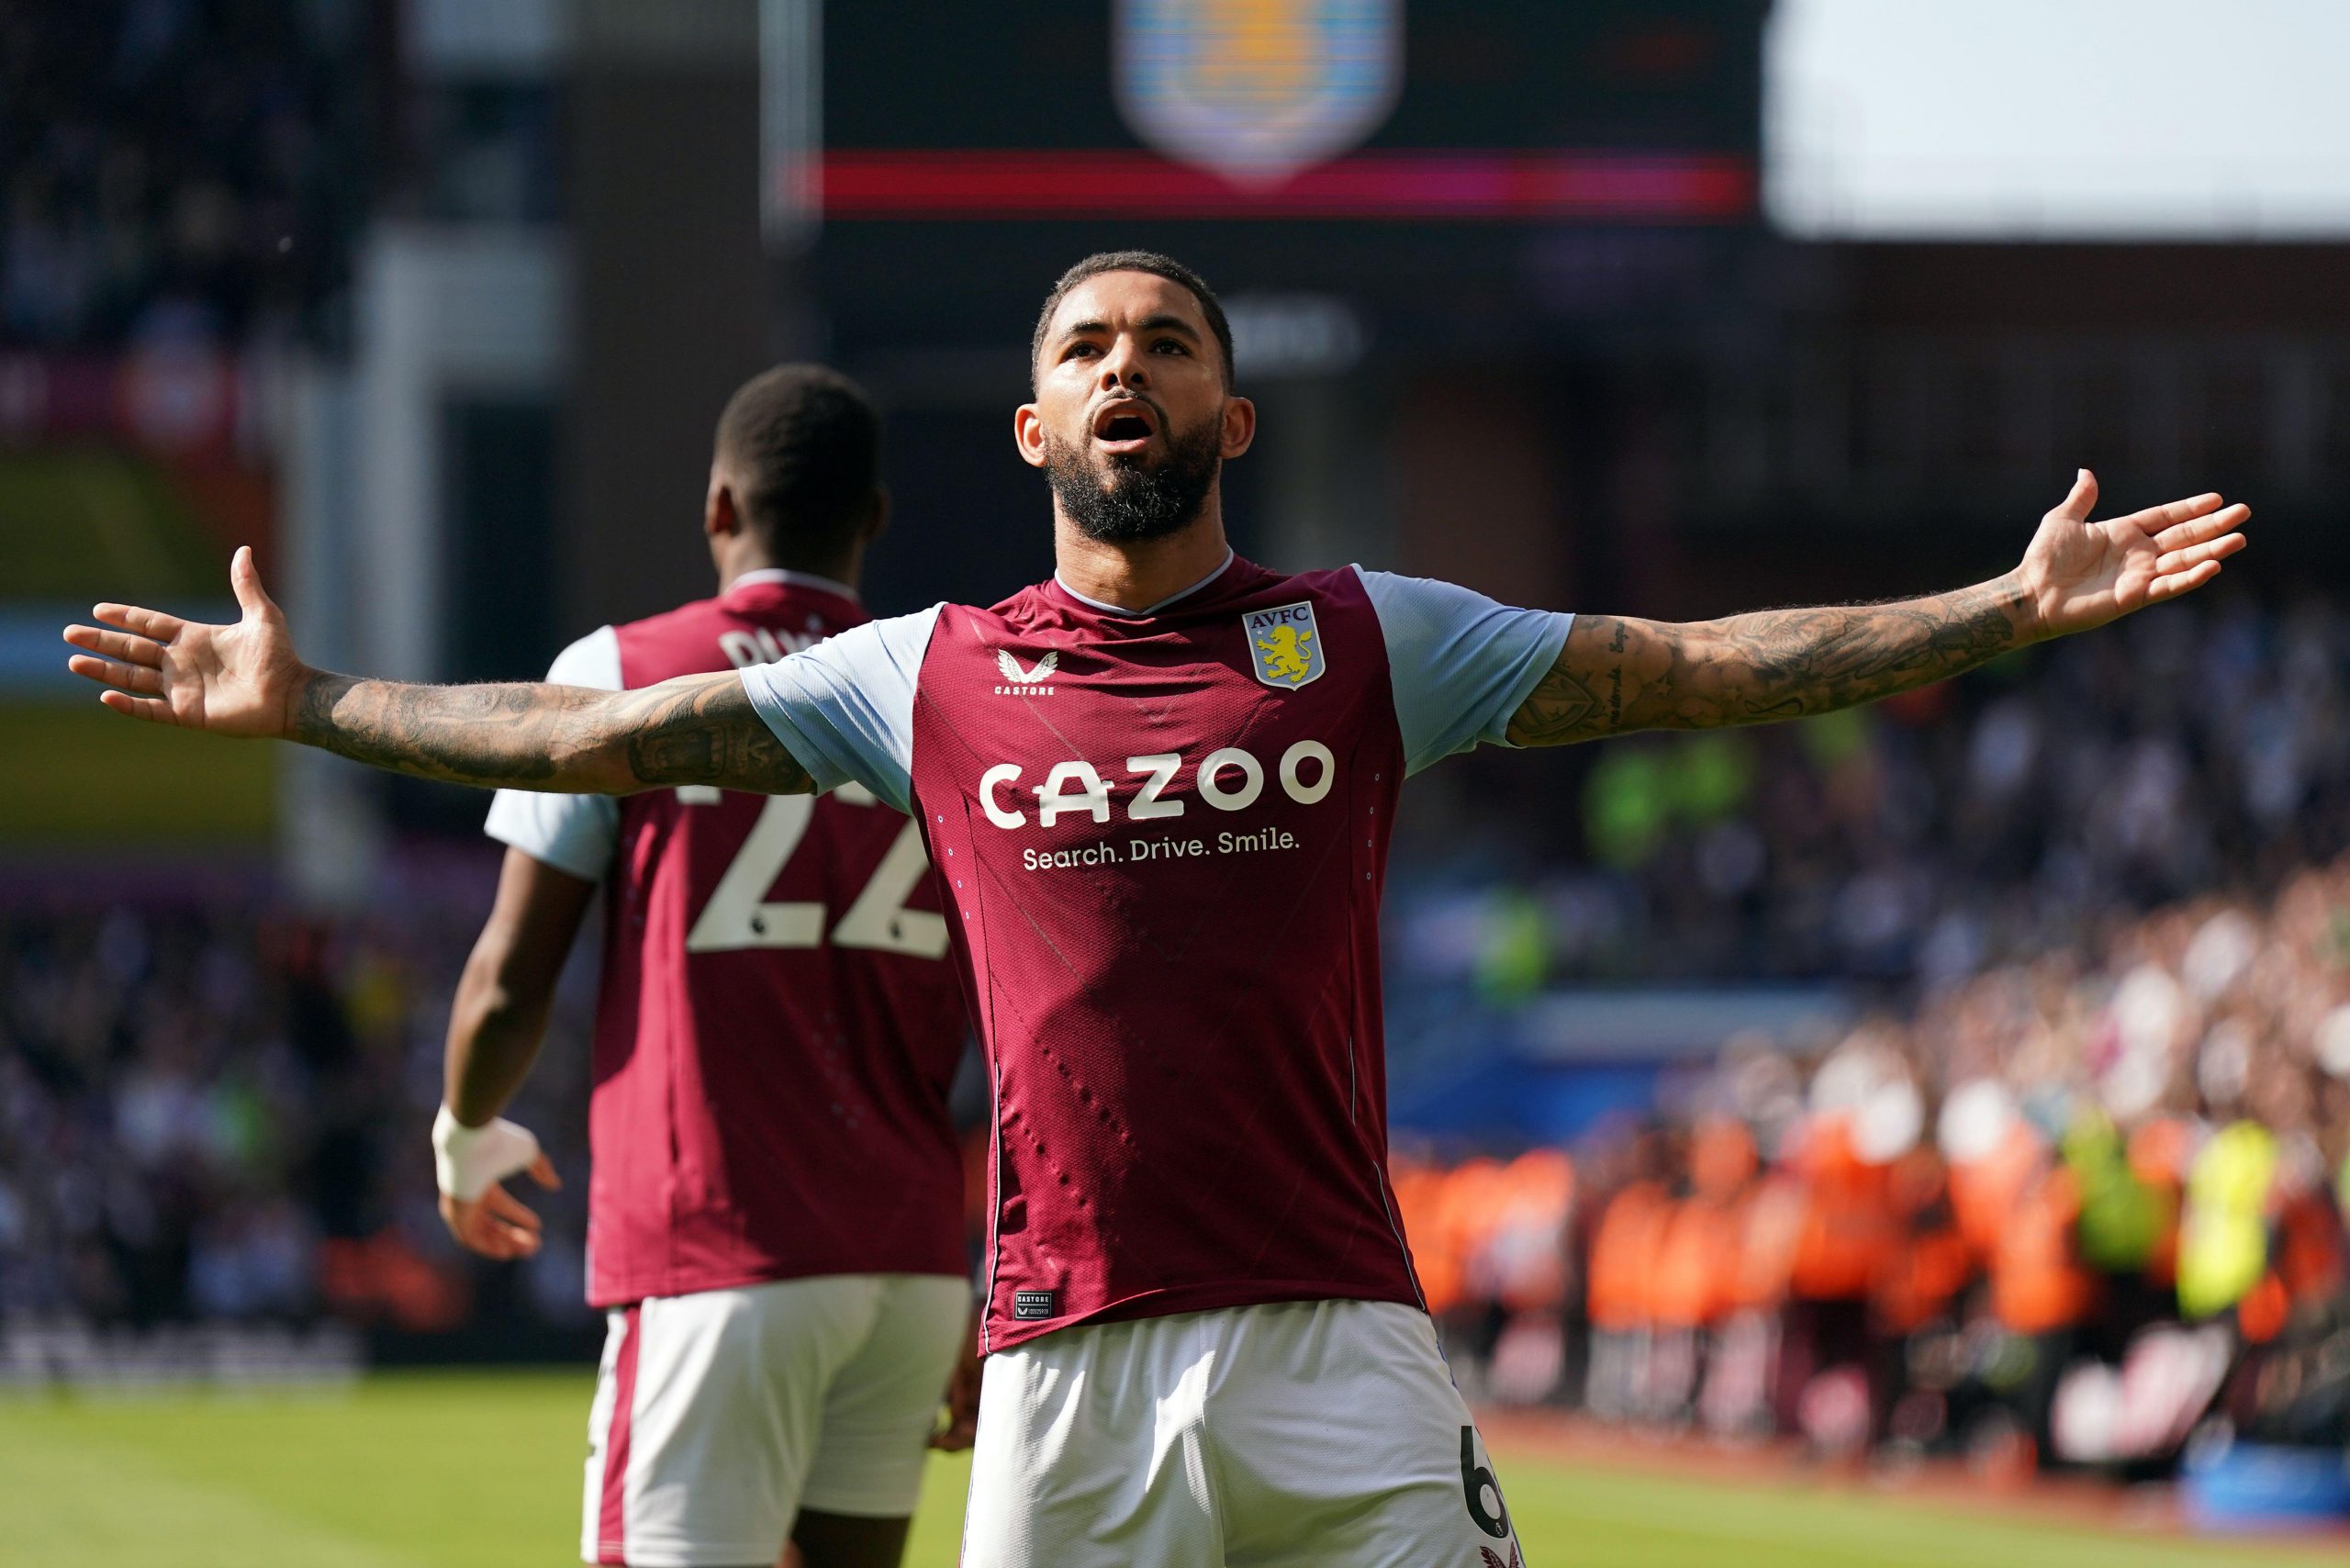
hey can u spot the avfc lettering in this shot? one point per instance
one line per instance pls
(1230, 780)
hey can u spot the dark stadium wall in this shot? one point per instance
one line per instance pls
(1913, 408)
(671, 305)
(1480, 487)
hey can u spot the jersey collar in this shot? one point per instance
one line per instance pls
(1120, 610)
(794, 579)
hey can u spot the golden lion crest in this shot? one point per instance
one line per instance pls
(1283, 644)
(1286, 656)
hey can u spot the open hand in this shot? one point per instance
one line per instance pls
(498, 1223)
(235, 680)
(2080, 574)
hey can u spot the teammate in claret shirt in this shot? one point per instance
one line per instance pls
(1159, 789)
(775, 1220)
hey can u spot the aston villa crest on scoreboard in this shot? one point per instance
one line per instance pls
(1284, 646)
(1257, 89)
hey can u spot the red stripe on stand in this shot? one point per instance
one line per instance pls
(1643, 187)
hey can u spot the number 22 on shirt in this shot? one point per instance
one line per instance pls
(739, 916)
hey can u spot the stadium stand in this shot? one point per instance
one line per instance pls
(216, 1114)
(2106, 1096)
(181, 171)
(2055, 1211)
(1920, 840)
(2079, 1175)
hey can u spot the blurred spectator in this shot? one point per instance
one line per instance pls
(181, 171)
(222, 1115)
(2059, 1211)
(2007, 813)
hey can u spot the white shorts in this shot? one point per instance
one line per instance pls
(1302, 1433)
(719, 1414)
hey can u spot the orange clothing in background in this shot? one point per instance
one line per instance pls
(1722, 1159)
(1415, 1200)
(1449, 1217)
(1624, 1255)
(1697, 1265)
(1770, 1228)
(1921, 1279)
(1701, 1262)
(2307, 1255)
(1468, 1210)
(2038, 1285)
(1527, 1244)
(2265, 1310)
(1984, 1192)
(1931, 1263)
(1848, 1230)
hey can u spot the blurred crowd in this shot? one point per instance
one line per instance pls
(2088, 1145)
(2066, 1209)
(186, 171)
(209, 1116)
(1912, 843)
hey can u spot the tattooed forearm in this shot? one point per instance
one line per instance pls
(1617, 675)
(465, 735)
(707, 732)
(697, 730)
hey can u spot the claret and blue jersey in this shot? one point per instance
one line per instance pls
(1162, 837)
(776, 1031)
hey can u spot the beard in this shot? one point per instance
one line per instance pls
(1127, 500)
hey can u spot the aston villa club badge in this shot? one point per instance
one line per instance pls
(1284, 646)
(1257, 89)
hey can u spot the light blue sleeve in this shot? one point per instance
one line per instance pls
(571, 833)
(1460, 664)
(846, 707)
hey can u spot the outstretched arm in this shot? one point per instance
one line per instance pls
(1616, 673)
(245, 680)
(698, 729)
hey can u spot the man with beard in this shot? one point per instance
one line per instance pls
(1158, 788)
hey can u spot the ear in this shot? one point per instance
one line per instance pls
(1028, 435)
(720, 519)
(1239, 427)
(879, 523)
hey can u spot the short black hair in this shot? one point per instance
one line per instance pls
(1150, 261)
(805, 446)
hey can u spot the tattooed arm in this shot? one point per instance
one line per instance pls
(698, 729)
(245, 680)
(1617, 675)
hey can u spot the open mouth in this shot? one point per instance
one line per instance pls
(1126, 425)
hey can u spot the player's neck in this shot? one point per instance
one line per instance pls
(741, 563)
(1136, 576)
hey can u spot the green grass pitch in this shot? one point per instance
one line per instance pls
(429, 1471)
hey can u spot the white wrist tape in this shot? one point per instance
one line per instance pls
(467, 1161)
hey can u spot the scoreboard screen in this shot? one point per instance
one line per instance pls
(967, 155)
